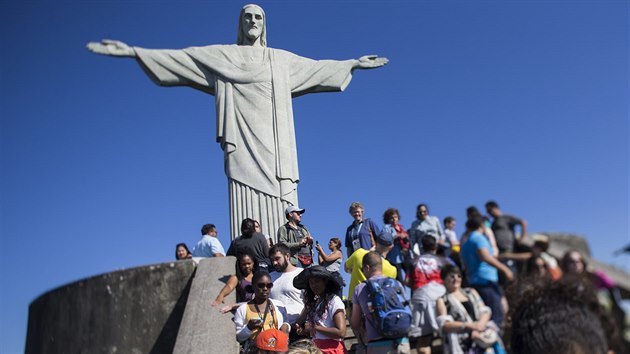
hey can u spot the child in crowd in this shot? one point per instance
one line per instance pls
(449, 231)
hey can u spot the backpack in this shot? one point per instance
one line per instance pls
(391, 315)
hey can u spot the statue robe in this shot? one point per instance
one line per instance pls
(254, 117)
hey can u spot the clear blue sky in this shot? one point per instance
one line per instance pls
(523, 102)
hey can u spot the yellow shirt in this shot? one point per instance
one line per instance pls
(355, 261)
(270, 322)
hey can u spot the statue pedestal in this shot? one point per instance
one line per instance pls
(161, 308)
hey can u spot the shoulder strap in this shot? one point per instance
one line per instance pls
(290, 233)
(369, 226)
(272, 310)
(447, 303)
(268, 309)
(374, 285)
(474, 300)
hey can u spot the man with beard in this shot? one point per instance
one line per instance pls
(283, 289)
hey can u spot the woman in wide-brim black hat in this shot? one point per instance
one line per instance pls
(324, 315)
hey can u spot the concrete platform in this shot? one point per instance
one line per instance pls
(162, 308)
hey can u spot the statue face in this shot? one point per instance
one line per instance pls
(253, 23)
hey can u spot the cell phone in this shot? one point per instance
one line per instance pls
(317, 243)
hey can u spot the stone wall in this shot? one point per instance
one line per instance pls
(138, 310)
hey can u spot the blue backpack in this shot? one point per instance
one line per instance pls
(391, 315)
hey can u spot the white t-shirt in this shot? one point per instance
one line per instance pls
(284, 291)
(328, 318)
(451, 236)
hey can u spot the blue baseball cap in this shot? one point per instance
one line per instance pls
(385, 238)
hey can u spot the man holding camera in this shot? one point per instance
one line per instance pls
(296, 237)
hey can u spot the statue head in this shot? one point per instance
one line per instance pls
(252, 25)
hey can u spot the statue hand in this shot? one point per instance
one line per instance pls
(113, 48)
(371, 62)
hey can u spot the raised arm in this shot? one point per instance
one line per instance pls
(194, 66)
(227, 289)
(335, 255)
(370, 62)
(111, 47)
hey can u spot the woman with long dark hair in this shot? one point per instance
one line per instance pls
(324, 315)
(182, 252)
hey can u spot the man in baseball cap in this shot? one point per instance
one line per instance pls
(297, 237)
(293, 208)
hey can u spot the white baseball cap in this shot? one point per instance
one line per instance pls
(293, 208)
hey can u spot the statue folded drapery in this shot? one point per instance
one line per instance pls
(254, 116)
(253, 85)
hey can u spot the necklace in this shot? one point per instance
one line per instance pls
(268, 308)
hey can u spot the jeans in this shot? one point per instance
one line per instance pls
(491, 296)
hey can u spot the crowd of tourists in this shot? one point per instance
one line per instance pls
(410, 290)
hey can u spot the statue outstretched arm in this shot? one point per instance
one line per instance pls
(111, 47)
(370, 62)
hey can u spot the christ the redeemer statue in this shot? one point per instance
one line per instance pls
(253, 85)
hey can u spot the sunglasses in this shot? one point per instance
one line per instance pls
(264, 285)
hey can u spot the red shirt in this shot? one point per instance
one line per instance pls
(427, 269)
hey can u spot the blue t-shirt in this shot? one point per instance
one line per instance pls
(478, 272)
(207, 247)
(361, 233)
